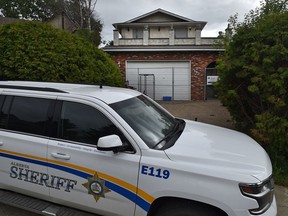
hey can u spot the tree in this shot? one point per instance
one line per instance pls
(36, 51)
(28, 9)
(79, 11)
(254, 78)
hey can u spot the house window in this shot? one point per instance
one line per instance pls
(181, 32)
(138, 33)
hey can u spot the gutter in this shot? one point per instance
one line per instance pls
(162, 49)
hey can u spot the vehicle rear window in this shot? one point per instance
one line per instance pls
(25, 114)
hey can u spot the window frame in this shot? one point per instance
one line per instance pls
(57, 120)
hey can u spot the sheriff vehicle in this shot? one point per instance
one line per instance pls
(82, 150)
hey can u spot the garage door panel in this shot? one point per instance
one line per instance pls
(182, 93)
(132, 77)
(170, 77)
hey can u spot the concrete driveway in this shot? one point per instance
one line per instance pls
(211, 112)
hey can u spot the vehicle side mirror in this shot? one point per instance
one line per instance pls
(110, 143)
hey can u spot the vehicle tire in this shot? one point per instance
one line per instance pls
(186, 208)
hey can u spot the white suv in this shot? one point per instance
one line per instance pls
(114, 151)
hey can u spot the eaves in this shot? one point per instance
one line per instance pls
(164, 49)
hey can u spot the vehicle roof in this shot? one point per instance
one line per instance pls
(107, 94)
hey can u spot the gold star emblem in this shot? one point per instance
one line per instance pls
(96, 187)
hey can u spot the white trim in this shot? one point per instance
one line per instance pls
(161, 49)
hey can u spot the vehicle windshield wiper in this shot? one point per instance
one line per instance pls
(172, 137)
(170, 134)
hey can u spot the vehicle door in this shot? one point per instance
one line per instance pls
(102, 182)
(23, 144)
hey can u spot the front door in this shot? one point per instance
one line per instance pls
(84, 177)
(211, 78)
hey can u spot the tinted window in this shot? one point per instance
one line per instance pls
(2, 117)
(2, 98)
(24, 114)
(5, 112)
(82, 123)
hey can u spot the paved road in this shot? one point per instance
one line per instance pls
(282, 200)
(209, 112)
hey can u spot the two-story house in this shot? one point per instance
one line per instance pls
(163, 55)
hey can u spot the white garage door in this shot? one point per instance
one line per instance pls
(160, 79)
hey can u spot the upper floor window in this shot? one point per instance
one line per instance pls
(181, 32)
(138, 33)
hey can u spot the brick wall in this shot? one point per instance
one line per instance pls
(199, 61)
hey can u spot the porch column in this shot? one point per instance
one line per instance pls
(198, 37)
(115, 37)
(171, 36)
(145, 36)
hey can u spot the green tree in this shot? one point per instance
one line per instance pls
(28, 9)
(36, 51)
(93, 35)
(80, 12)
(254, 79)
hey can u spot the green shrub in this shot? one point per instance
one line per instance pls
(254, 81)
(38, 52)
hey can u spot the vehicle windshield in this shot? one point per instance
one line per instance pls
(153, 124)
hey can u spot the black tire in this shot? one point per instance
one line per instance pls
(186, 208)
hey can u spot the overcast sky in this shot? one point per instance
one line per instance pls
(214, 12)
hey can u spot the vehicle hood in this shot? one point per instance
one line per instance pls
(219, 151)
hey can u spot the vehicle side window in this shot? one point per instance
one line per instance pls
(25, 114)
(2, 117)
(5, 111)
(83, 123)
(2, 98)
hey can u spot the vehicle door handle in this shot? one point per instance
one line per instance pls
(61, 156)
(1, 143)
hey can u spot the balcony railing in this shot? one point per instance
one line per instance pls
(165, 41)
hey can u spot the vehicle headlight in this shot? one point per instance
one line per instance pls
(262, 192)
